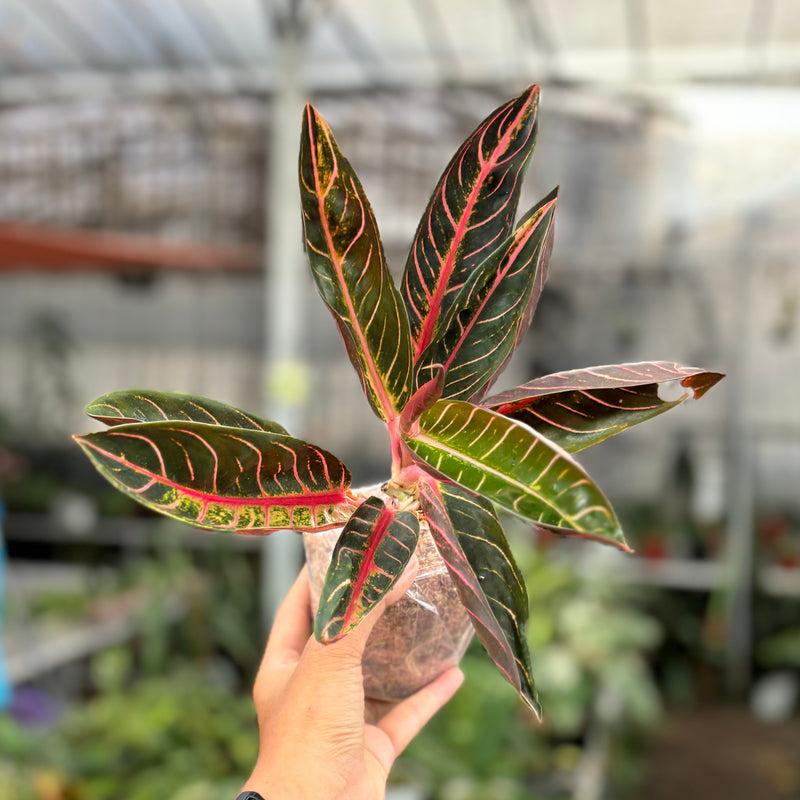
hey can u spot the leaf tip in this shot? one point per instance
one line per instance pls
(532, 92)
(535, 706)
(702, 382)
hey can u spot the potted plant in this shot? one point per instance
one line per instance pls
(426, 353)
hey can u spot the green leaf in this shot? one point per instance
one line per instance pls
(147, 405)
(350, 271)
(471, 542)
(581, 407)
(370, 555)
(494, 308)
(470, 213)
(514, 467)
(223, 478)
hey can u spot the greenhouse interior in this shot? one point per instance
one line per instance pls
(152, 239)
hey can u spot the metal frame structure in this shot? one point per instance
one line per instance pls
(289, 49)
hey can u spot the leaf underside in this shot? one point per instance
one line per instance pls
(514, 467)
(471, 542)
(349, 268)
(147, 405)
(370, 555)
(223, 478)
(470, 213)
(579, 408)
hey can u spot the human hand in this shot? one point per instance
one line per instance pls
(314, 740)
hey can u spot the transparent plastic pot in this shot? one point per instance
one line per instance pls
(420, 636)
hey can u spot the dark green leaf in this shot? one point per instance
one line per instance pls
(494, 309)
(146, 405)
(514, 467)
(470, 213)
(370, 555)
(472, 544)
(223, 478)
(350, 271)
(581, 407)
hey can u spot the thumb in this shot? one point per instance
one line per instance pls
(349, 650)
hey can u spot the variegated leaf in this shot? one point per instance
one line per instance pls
(514, 467)
(470, 213)
(471, 542)
(370, 555)
(581, 407)
(494, 309)
(223, 478)
(147, 405)
(349, 267)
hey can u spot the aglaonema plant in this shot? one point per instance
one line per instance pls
(427, 353)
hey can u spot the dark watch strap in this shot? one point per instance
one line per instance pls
(249, 796)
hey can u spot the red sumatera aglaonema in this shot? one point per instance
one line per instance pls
(470, 214)
(472, 545)
(581, 407)
(223, 478)
(349, 268)
(369, 557)
(483, 325)
(426, 355)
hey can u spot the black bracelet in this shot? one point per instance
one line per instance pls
(249, 796)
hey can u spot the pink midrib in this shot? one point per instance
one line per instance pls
(376, 383)
(510, 262)
(426, 334)
(328, 498)
(378, 533)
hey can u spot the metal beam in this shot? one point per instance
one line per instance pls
(638, 36)
(438, 40)
(42, 247)
(37, 86)
(759, 31)
(361, 51)
(209, 25)
(281, 553)
(79, 36)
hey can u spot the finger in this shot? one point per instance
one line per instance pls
(292, 625)
(407, 718)
(403, 582)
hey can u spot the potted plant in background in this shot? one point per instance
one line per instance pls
(426, 353)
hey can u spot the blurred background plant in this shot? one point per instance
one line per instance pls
(601, 702)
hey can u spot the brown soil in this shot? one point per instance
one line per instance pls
(724, 753)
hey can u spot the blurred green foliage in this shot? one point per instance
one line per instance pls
(166, 722)
(589, 647)
(178, 736)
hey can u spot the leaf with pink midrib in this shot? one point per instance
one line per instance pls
(470, 213)
(223, 478)
(350, 271)
(493, 309)
(470, 541)
(370, 555)
(579, 408)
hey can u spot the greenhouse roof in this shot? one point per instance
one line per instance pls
(68, 47)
